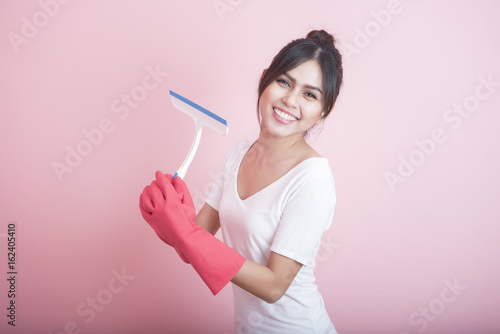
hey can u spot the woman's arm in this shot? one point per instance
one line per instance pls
(268, 283)
(208, 218)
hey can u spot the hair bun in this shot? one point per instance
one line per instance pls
(321, 37)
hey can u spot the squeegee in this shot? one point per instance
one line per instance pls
(202, 117)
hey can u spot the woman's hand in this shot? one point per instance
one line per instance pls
(166, 205)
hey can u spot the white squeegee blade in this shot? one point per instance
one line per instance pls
(200, 114)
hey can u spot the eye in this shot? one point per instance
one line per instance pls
(311, 95)
(283, 82)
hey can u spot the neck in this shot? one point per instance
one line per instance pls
(277, 148)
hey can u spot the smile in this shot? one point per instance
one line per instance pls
(285, 116)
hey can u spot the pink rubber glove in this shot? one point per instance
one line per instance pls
(147, 205)
(168, 208)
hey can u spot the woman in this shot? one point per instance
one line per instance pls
(274, 203)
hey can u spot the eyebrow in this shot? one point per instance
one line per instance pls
(292, 79)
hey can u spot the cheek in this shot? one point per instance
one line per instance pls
(273, 91)
(261, 107)
(265, 98)
(314, 111)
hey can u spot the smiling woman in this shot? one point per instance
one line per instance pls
(283, 96)
(319, 46)
(275, 200)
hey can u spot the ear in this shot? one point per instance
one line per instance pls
(263, 73)
(322, 116)
(320, 120)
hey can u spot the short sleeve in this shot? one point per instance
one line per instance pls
(307, 214)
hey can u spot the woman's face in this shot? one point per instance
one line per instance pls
(292, 103)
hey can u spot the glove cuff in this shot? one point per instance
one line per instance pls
(213, 260)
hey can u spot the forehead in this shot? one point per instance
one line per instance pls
(308, 73)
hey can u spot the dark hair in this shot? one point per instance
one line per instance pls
(318, 45)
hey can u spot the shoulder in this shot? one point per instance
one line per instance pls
(315, 165)
(237, 153)
(239, 149)
(312, 185)
(315, 168)
(312, 177)
(310, 152)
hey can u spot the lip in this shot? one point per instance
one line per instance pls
(286, 112)
(281, 120)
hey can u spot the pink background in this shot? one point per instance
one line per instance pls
(385, 261)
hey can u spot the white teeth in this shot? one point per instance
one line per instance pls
(283, 115)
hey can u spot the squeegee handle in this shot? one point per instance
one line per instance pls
(192, 151)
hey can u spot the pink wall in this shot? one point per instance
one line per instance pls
(415, 240)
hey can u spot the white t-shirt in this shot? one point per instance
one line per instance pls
(287, 217)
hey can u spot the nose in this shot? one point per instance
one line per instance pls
(290, 98)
